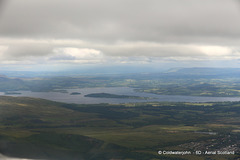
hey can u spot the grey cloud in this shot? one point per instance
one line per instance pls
(62, 57)
(119, 28)
(21, 51)
(136, 20)
(152, 50)
(69, 50)
(2, 3)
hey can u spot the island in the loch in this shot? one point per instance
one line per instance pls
(75, 93)
(109, 95)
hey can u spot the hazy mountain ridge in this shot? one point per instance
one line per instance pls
(206, 71)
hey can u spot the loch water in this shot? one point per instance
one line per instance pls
(81, 99)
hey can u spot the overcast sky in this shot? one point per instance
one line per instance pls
(168, 33)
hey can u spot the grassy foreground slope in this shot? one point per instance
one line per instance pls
(36, 128)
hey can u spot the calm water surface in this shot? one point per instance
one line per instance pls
(80, 99)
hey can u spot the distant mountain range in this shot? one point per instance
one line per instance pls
(205, 71)
(232, 72)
